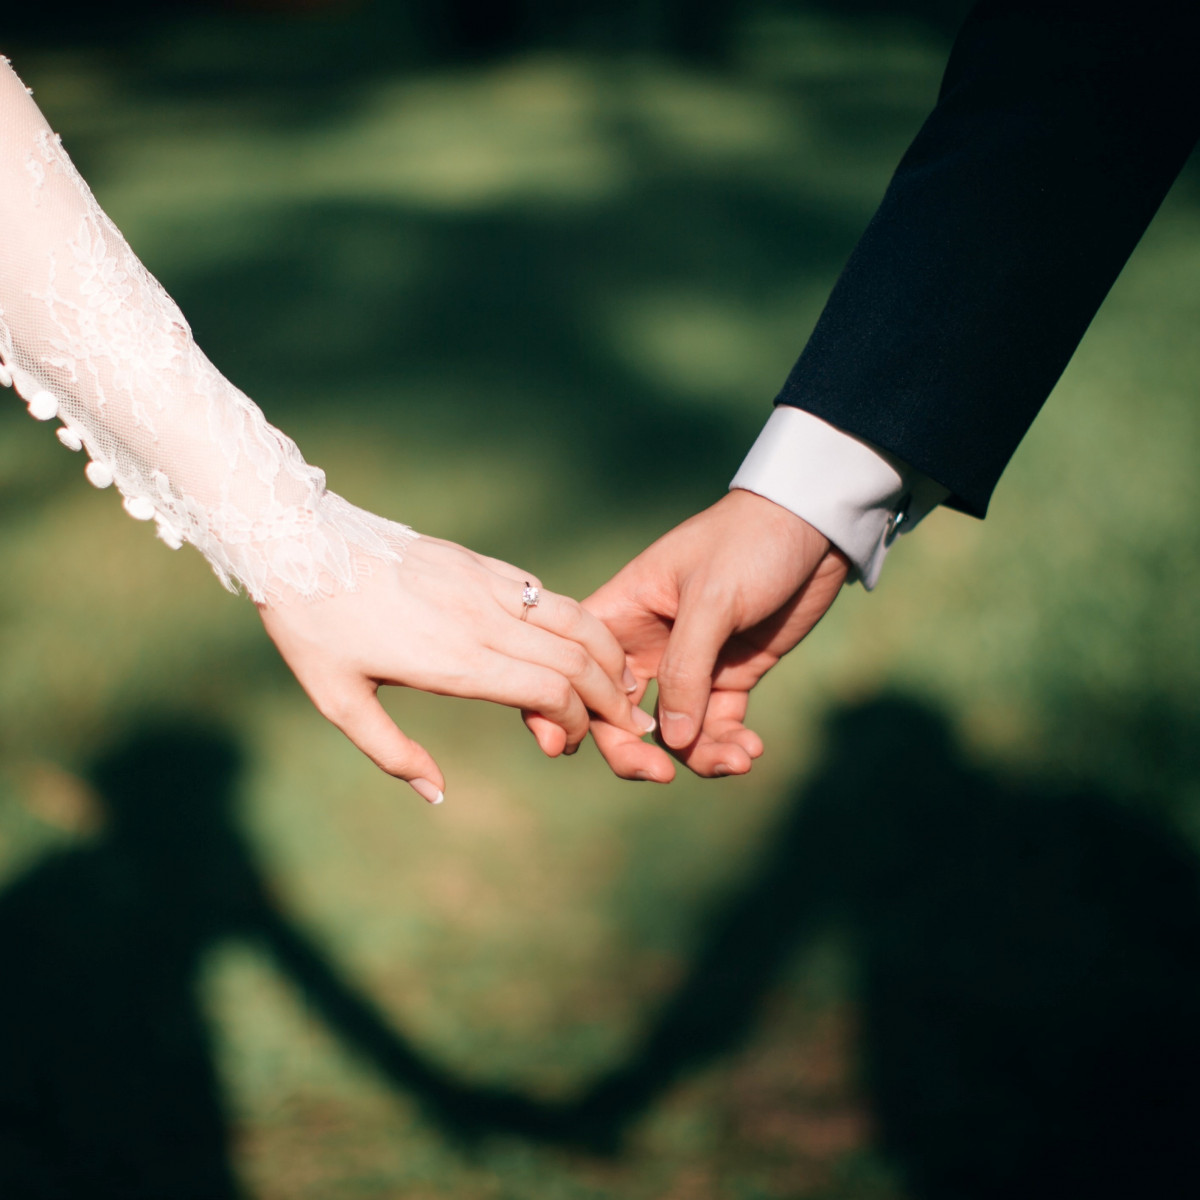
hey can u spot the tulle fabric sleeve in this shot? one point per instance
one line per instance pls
(91, 341)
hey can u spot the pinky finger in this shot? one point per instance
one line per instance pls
(550, 737)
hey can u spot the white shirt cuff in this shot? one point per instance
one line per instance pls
(858, 496)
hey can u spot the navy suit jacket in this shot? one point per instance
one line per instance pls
(1058, 130)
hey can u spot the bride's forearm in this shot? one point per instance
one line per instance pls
(90, 338)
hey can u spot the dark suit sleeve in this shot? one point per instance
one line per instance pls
(1058, 131)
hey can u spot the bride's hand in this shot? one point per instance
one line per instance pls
(449, 621)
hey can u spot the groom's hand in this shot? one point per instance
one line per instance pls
(708, 609)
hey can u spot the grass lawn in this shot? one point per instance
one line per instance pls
(539, 303)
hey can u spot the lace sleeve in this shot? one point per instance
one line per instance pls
(89, 337)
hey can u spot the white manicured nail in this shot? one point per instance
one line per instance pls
(428, 791)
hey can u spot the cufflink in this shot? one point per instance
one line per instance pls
(897, 519)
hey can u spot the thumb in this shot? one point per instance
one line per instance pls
(686, 669)
(366, 723)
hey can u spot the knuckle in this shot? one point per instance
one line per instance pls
(335, 707)
(575, 661)
(558, 694)
(709, 589)
(672, 675)
(393, 764)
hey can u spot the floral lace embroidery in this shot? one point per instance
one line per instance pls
(88, 335)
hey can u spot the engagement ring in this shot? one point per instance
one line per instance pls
(529, 599)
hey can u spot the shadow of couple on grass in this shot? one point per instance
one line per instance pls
(1027, 968)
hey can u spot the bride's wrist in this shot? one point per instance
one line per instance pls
(310, 552)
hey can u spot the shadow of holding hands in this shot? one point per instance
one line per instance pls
(1027, 962)
(1027, 965)
(108, 1084)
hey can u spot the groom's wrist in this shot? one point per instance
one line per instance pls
(858, 496)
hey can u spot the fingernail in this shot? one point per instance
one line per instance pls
(629, 680)
(427, 791)
(722, 769)
(677, 728)
(645, 777)
(643, 720)
(569, 750)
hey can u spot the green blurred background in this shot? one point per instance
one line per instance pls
(528, 277)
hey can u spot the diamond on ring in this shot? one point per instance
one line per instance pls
(529, 599)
